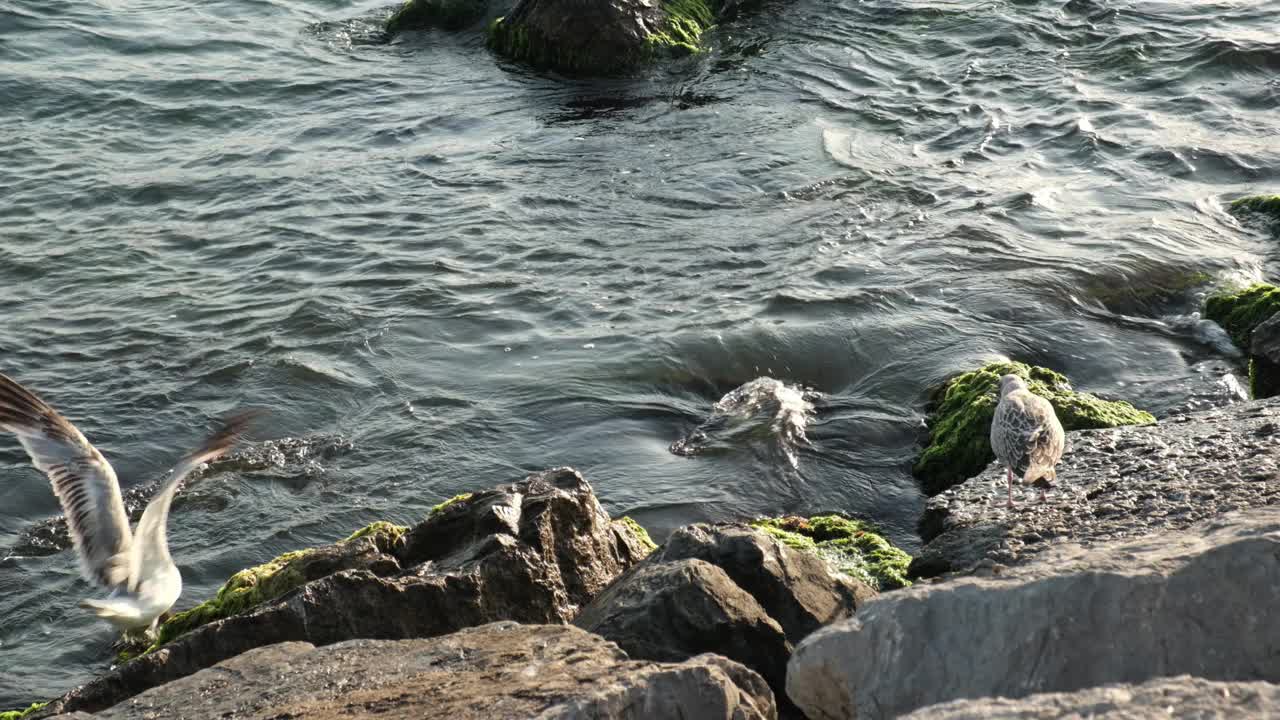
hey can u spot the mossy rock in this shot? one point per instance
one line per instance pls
(1265, 207)
(639, 531)
(960, 419)
(603, 39)
(853, 547)
(443, 14)
(461, 497)
(17, 714)
(256, 585)
(1239, 313)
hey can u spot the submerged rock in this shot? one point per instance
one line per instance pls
(1266, 207)
(1183, 696)
(533, 551)
(601, 36)
(1243, 312)
(1112, 484)
(443, 14)
(960, 414)
(726, 589)
(498, 671)
(1194, 602)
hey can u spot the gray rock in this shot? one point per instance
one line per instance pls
(797, 589)
(1195, 602)
(500, 670)
(671, 611)
(1265, 341)
(1180, 697)
(534, 551)
(1112, 484)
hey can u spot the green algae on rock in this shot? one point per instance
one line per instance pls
(1239, 313)
(1267, 206)
(960, 419)
(853, 547)
(601, 38)
(461, 497)
(18, 714)
(641, 534)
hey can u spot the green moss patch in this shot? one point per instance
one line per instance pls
(1239, 313)
(463, 497)
(386, 535)
(960, 419)
(685, 23)
(639, 532)
(16, 714)
(1263, 206)
(853, 547)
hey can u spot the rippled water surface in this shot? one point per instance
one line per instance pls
(470, 270)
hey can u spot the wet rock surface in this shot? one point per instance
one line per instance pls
(499, 670)
(1179, 697)
(1112, 485)
(1195, 602)
(534, 551)
(727, 589)
(301, 456)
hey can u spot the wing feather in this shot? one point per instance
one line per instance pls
(151, 543)
(82, 479)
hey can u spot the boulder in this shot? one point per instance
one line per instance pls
(1112, 485)
(960, 412)
(726, 589)
(672, 611)
(1261, 207)
(1192, 602)
(534, 551)
(492, 672)
(1182, 696)
(600, 36)
(1240, 313)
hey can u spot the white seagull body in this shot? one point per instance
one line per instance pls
(135, 567)
(1026, 435)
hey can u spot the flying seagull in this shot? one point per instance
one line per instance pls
(135, 567)
(1026, 435)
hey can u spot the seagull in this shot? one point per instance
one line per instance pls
(135, 567)
(1026, 435)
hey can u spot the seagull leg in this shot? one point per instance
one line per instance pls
(1009, 477)
(1043, 498)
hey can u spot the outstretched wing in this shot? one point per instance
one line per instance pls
(82, 479)
(150, 542)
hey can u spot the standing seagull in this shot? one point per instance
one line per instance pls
(137, 569)
(1026, 435)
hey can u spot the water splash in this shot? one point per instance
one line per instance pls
(764, 409)
(295, 455)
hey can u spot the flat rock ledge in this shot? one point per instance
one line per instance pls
(1113, 485)
(1198, 602)
(1180, 697)
(492, 672)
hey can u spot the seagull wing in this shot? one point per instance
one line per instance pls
(151, 546)
(82, 479)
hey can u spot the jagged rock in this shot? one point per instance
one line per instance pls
(534, 551)
(1192, 602)
(493, 672)
(1112, 485)
(671, 611)
(1179, 697)
(1240, 313)
(1265, 339)
(726, 589)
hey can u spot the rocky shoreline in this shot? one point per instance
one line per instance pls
(1157, 557)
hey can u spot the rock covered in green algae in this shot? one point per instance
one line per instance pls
(19, 714)
(1240, 313)
(960, 419)
(1264, 206)
(253, 586)
(600, 36)
(854, 547)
